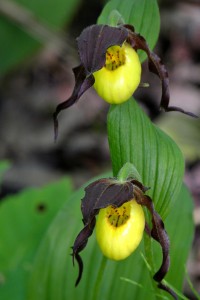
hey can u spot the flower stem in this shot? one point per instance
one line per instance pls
(99, 278)
(115, 18)
(150, 259)
(128, 171)
(149, 252)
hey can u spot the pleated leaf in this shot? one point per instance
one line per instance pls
(143, 15)
(134, 138)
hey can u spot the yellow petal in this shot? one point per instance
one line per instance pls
(119, 78)
(120, 230)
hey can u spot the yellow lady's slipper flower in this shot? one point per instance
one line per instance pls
(109, 61)
(120, 222)
(119, 230)
(120, 76)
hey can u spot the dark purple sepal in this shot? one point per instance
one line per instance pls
(82, 84)
(79, 245)
(159, 234)
(102, 193)
(93, 43)
(155, 66)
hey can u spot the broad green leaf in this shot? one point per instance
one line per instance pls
(24, 219)
(142, 14)
(53, 275)
(17, 43)
(134, 138)
(54, 14)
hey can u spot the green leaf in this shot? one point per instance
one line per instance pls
(143, 15)
(24, 219)
(133, 138)
(181, 236)
(53, 275)
(185, 134)
(18, 43)
(53, 14)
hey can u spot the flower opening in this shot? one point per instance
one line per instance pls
(115, 57)
(119, 230)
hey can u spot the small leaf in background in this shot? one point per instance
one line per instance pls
(134, 138)
(24, 219)
(143, 15)
(4, 166)
(53, 275)
(17, 43)
(185, 134)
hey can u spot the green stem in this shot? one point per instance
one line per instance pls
(99, 278)
(149, 252)
(128, 171)
(148, 247)
(115, 18)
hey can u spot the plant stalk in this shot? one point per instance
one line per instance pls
(99, 278)
(148, 247)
